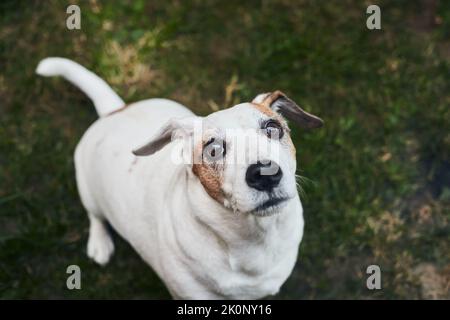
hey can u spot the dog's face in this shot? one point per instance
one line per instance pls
(243, 156)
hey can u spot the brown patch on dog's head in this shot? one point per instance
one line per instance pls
(209, 177)
(265, 109)
(270, 97)
(278, 102)
(265, 101)
(263, 105)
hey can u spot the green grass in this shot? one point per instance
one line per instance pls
(378, 185)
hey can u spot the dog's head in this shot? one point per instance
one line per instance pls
(243, 156)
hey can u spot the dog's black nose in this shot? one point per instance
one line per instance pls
(263, 176)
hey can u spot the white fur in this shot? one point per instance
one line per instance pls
(104, 98)
(200, 248)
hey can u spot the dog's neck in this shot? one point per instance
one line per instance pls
(194, 222)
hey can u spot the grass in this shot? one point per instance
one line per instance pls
(377, 187)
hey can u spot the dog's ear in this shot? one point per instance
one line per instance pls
(280, 103)
(174, 129)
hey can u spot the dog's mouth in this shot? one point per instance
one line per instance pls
(270, 206)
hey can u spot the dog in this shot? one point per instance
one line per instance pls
(212, 228)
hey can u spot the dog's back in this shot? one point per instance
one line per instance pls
(106, 148)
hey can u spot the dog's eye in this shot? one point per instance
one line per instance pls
(273, 129)
(214, 149)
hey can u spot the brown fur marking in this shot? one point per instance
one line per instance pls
(210, 180)
(264, 106)
(265, 109)
(208, 175)
(118, 110)
(271, 97)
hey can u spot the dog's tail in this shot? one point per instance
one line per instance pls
(104, 98)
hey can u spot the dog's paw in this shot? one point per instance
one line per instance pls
(100, 247)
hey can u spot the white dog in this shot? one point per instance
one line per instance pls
(211, 229)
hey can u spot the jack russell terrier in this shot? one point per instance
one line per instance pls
(169, 182)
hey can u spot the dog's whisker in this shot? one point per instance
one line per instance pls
(299, 180)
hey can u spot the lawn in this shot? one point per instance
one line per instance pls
(376, 187)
